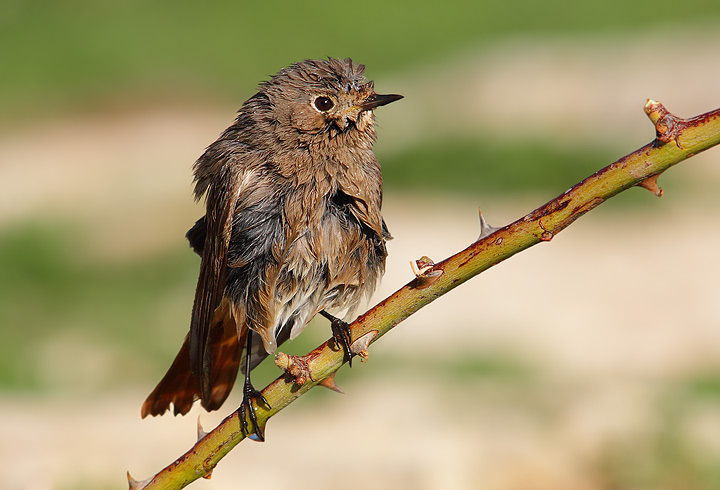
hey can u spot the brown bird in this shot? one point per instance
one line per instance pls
(292, 228)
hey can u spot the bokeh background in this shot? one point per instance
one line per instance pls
(591, 362)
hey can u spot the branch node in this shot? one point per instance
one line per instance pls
(651, 184)
(424, 271)
(667, 129)
(294, 366)
(329, 383)
(654, 110)
(422, 266)
(133, 484)
(667, 125)
(360, 345)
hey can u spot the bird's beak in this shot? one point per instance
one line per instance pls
(376, 100)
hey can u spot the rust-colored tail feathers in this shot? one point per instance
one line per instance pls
(180, 387)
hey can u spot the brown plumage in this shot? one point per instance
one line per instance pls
(292, 226)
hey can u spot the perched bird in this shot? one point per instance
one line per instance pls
(292, 228)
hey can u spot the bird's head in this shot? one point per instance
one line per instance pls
(324, 97)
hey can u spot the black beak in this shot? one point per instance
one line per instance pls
(376, 100)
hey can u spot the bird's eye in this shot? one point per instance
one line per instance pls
(323, 104)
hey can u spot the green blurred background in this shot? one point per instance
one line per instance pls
(104, 106)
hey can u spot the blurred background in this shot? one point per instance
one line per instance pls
(591, 362)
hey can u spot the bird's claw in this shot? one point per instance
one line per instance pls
(342, 337)
(246, 408)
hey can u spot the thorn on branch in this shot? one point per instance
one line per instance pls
(329, 383)
(200, 431)
(294, 366)
(360, 345)
(136, 485)
(485, 228)
(651, 184)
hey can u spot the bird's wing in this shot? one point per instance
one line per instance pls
(222, 196)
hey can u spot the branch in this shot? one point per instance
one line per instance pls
(676, 140)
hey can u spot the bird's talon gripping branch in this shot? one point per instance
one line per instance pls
(341, 335)
(247, 409)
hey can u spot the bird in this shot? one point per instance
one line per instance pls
(292, 228)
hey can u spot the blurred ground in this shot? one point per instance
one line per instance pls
(591, 362)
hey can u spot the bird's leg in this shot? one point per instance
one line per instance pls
(250, 394)
(341, 334)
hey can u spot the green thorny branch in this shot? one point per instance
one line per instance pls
(676, 140)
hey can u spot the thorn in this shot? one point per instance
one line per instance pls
(295, 366)
(329, 382)
(361, 344)
(651, 184)
(485, 228)
(208, 475)
(136, 485)
(200, 432)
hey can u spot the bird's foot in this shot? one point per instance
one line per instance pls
(247, 408)
(341, 335)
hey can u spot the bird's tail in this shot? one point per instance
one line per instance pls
(180, 387)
